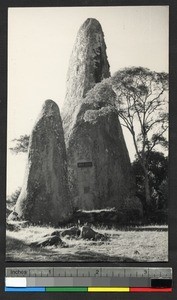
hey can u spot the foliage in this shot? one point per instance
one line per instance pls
(142, 99)
(101, 95)
(142, 108)
(158, 179)
(21, 144)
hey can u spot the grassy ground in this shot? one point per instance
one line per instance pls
(125, 245)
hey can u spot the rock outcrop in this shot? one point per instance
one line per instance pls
(44, 197)
(98, 161)
(99, 167)
(49, 241)
(88, 65)
(72, 232)
(87, 233)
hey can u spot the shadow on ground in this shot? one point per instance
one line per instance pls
(155, 228)
(95, 256)
(17, 250)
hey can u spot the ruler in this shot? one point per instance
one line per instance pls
(90, 278)
(123, 272)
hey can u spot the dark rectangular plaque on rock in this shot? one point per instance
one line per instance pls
(84, 164)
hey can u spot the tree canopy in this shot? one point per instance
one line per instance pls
(158, 179)
(142, 105)
(143, 109)
(21, 144)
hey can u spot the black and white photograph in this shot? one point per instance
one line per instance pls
(87, 134)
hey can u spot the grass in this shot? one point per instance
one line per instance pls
(148, 244)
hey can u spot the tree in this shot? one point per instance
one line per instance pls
(158, 178)
(21, 144)
(142, 108)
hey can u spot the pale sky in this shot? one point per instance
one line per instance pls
(40, 41)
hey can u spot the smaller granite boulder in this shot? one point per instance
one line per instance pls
(56, 232)
(88, 233)
(101, 237)
(49, 241)
(73, 232)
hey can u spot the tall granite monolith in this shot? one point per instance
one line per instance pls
(45, 196)
(98, 161)
(88, 65)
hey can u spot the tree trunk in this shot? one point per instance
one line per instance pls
(147, 189)
(143, 162)
(148, 204)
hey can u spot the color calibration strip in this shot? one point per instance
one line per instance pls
(84, 279)
(87, 289)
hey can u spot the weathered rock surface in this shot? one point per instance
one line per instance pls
(99, 165)
(56, 232)
(100, 173)
(44, 197)
(72, 232)
(55, 239)
(87, 66)
(49, 241)
(75, 232)
(87, 233)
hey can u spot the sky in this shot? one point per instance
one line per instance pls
(40, 42)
